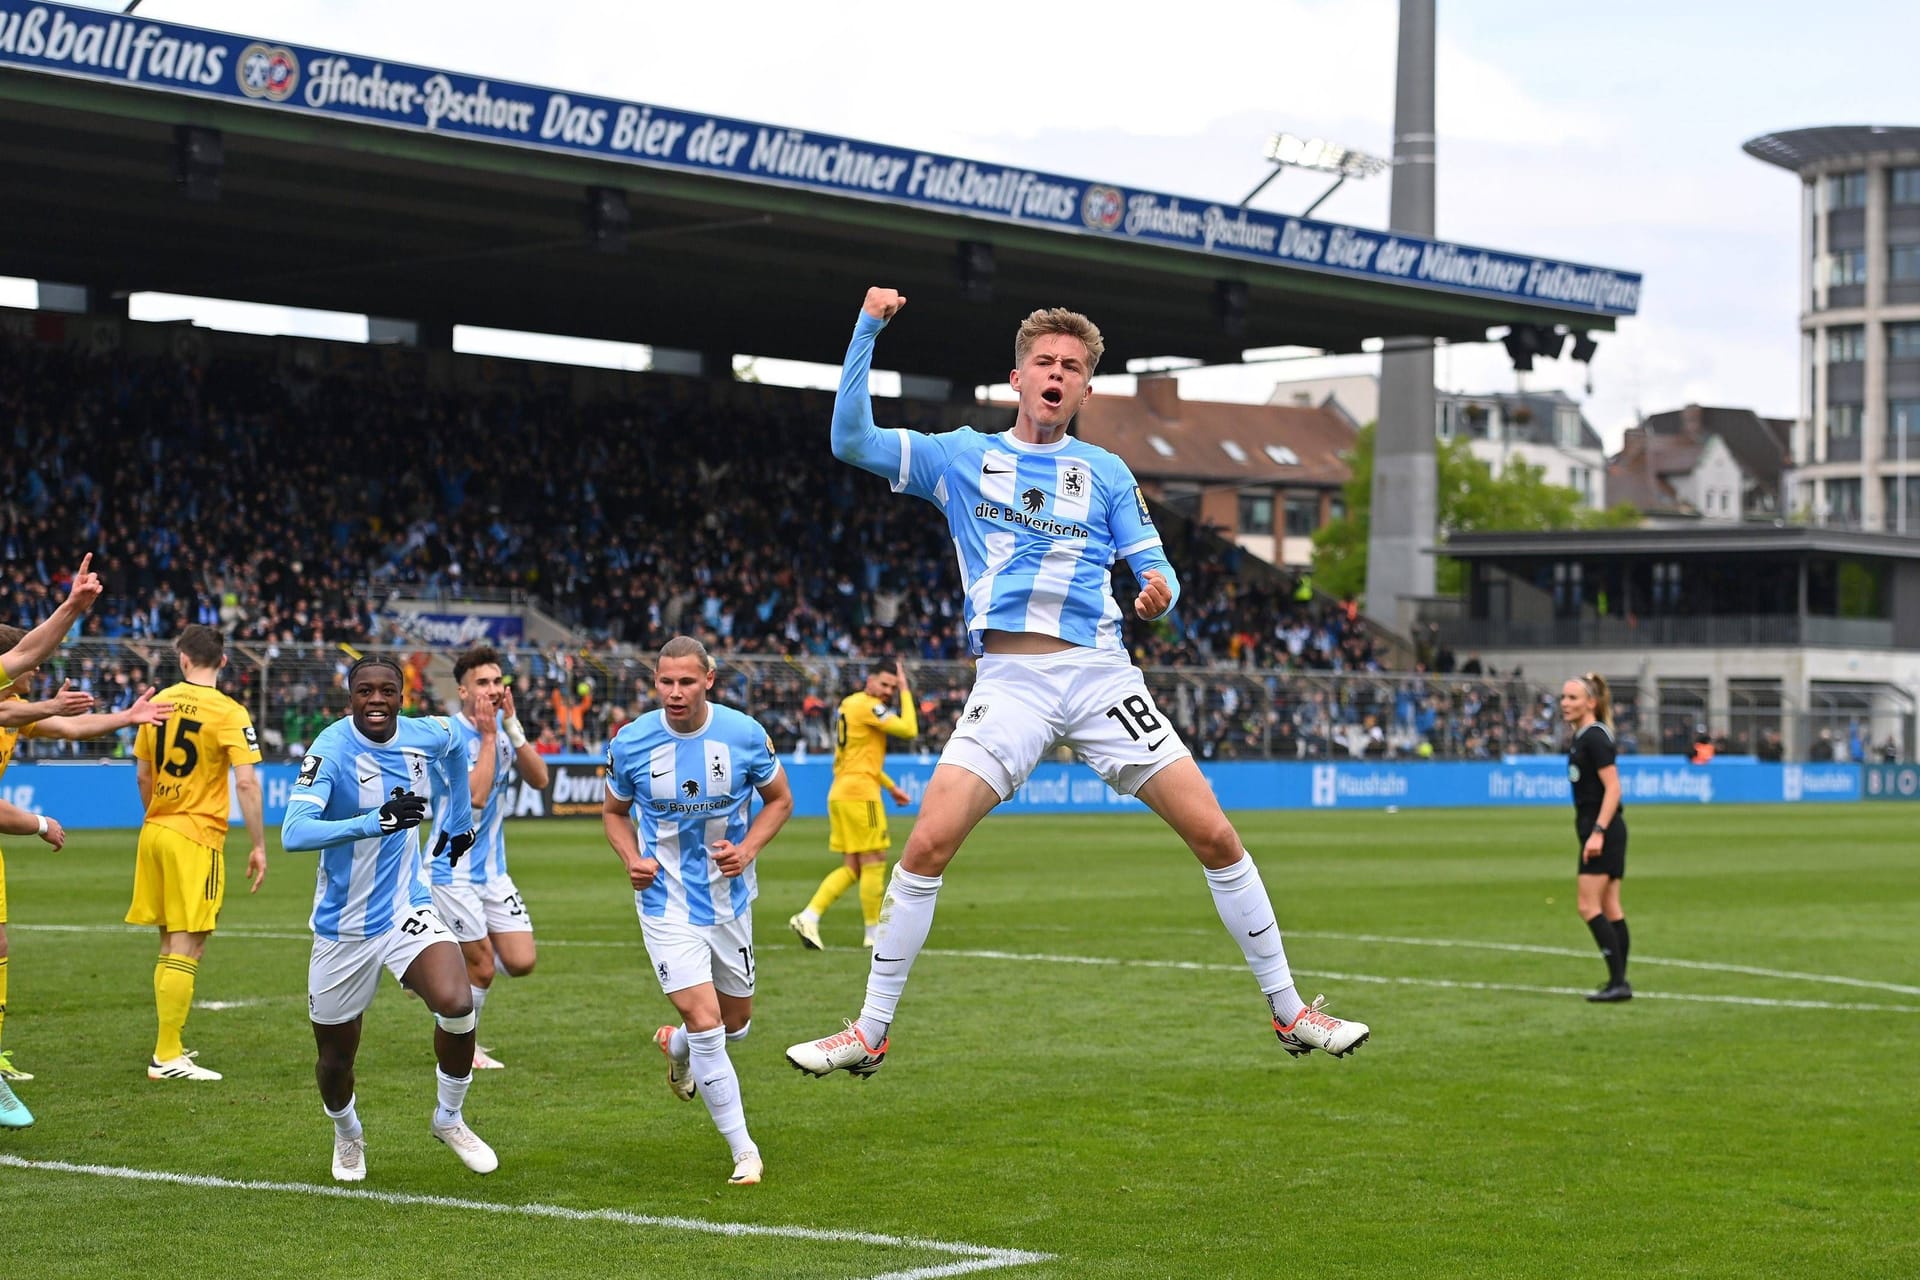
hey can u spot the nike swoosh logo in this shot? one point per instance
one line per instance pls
(369, 777)
(1257, 932)
(1003, 471)
(888, 959)
(1155, 744)
(663, 773)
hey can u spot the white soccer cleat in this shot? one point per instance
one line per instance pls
(845, 1051)
(180, 1068)
(349, 1159)
(809, 931)
(679, 1074)
(747, 1170)
(1316, 1030)
(484, 1061)
(466, 1144)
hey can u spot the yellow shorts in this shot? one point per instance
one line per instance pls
(177, 884)
(857, 826)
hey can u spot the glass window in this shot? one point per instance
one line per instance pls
(1903, 341)
(1843, 501)
(1847, 267)
(1303, 514)
(1847, 190)
(1843, 421)
(1282, 456)
(1903, 519)
(1846, 343)
(1903, 419)
(1160, 446)
(1256, 513)
(1233, 450)
(1906, 186)
(1905, 262)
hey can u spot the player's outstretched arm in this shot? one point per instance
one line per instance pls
(15, 821)
(855, 438)
(144, 710)
(16, 712)
(304, 828)
(38, 644)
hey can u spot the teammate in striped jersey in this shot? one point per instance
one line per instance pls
(476, 897)
(693, 768)
(364, 788)
(1038, 517)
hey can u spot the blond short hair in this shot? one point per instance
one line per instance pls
(688, 647)
(1051, 320)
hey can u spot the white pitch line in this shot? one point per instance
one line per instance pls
(1204, 967)
(970, 1257)
(1197, 966)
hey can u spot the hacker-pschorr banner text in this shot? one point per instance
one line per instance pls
(85, 43)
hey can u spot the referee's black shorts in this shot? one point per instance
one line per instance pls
(1612, 861)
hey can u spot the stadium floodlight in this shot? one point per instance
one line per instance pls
(1584, 347)
(1290, 151)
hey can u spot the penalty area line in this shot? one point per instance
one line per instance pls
(1194, 966)
(968, 1258)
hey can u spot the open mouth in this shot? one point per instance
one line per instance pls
(1053, 396)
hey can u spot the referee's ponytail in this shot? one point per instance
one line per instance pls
(1602, 697)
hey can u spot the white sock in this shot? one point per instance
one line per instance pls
(810, 915)
(735, 1037)
(1241, 899)
(479, 998)
(346, 1122)
(453, 1095)
(906, 917)
(720, 1087)
(677, 1044)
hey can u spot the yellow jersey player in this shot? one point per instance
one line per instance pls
(179, 875)
(857, 821)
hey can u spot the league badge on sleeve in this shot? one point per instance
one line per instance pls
(309, 770)
(1146, 516)
(252, 738)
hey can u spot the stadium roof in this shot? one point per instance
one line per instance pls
(1799, 149)
(1780, 540)
(340, 208)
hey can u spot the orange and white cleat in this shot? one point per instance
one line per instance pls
(679, 1074)
(845, 1051)
(1316, 1030)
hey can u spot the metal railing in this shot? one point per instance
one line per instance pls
(1691, 631)
(574, 699)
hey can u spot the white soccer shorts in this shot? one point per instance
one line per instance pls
(476, 911)
(1094, 701)
(687, 955)
(342, 976)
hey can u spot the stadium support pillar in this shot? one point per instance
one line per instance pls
(717, 364)
(1401, 532)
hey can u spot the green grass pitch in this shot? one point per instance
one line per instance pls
(1081, 1070)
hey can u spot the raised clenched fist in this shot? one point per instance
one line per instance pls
(882, 304)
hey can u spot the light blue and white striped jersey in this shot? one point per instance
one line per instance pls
(368, 882)
(689, 790)
(487, 860)
(1036, 527)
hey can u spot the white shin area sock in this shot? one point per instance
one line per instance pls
(719, 1087)
(479, 998)
(1241, 899)
(677, 1043)
(453, 1095)
(346, 1122)
(906, 917)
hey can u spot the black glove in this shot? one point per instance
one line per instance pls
(403, 811)
(453, 846)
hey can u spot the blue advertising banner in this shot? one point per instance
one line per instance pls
(168, 57)
(459, 630)
(94, 796)
(1892, 781)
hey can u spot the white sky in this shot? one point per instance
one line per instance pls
(1612, 140)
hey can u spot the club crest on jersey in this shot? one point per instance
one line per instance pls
(664, 972)
(719, 770)
(976, 713)
(1073, 482)
(691, 786)
(1033, 500)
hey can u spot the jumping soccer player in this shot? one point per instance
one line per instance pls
(476, 897)
(179, 877)
(856, 821)
(1038, 518)
(693, 767)
(365, 785)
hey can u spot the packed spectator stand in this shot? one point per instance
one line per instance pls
(281, 489)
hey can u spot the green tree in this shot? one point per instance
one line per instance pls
(1471, 499)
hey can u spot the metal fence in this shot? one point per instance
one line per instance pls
(574, 699)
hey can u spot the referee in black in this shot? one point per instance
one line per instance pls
(1600, 822)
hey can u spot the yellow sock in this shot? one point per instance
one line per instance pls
(838, 881)
(173, 995)
(3, 993)
(873, 888)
